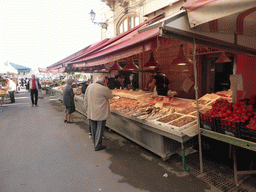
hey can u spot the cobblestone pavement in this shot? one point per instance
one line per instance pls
(41, 153)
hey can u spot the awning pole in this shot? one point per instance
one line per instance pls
(197, 106)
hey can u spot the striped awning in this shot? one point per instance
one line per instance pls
(223, 16)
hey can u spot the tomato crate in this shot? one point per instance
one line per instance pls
(208, 122)
(248, 133)
(228, 127)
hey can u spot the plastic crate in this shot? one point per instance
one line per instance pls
(228, 127)
(248, 134)
(208, 122)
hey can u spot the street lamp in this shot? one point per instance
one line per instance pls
(102, 24)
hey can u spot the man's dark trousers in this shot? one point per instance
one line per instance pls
(97, 129)
(34, 92)
(11, 95)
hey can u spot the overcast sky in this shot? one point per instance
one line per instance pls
(38, 33)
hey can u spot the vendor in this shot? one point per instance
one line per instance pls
(11, 88)
(161, 83)
(132, 82)
(118, 82)
(148, 86)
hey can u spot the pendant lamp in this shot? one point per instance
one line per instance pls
(116, 66)
(223, 58)
(152, 63)
(130, 66)
(181, 59)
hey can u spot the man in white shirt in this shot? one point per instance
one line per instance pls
(11, 88)
(96, 103)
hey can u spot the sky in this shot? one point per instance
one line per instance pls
(39, 33)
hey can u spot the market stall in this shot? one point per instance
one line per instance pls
(226, 26)
(160, 124)
(3, 92)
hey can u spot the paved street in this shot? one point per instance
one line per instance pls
(39, 152)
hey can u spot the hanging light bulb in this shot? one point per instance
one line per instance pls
(152, 63)
(116, 66)
(223, 58)
(130, 66)
(181, 59)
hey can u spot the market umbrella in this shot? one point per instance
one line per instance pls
(6, 68)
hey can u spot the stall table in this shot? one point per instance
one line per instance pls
(2, 96)
(159, 139)
(235, 142)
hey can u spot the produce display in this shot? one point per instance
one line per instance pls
(235, 119)
(183, 121)
(152, 108)
(169, 118)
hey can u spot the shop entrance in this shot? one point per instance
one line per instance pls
(216, 75)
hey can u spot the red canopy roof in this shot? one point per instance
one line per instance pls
(141, 42)
(62, 63)
(116, 40)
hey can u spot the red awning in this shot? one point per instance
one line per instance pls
(42, 70)
(138, 44)
(116, 40)
(229, 16)
(63, 62)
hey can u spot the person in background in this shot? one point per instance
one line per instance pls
(26, 81)
(76, 79)
(131, 82)
(68, 101)
(111, 83)
(11, 88)
(22, 82)
(117, 82)
(96, 103)
(33, 86)
(148, 86)
(161, 83)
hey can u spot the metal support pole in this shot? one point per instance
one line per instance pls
(183, 157)
(235, 165)
(198, 119)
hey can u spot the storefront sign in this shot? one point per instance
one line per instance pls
(200, 50)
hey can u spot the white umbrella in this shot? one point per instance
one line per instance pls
(4, 69)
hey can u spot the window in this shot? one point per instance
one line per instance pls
(128, 23)
(125, 25)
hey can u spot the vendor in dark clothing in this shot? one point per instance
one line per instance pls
(162, 84)
(118, 84)
(132, 82)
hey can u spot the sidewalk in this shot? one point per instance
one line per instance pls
(39, 152)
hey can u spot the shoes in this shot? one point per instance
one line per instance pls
(65, 121)
(100, 148)
(32, 105)
(90, 135)
(70, 122)
(36, 105)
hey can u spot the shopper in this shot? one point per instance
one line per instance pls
(68, 101)
(11, 88)
(96, 103)
(161, 83)
(33, 86)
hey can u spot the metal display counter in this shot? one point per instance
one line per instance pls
(161, 140)
(157, 138)
(235, 142)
